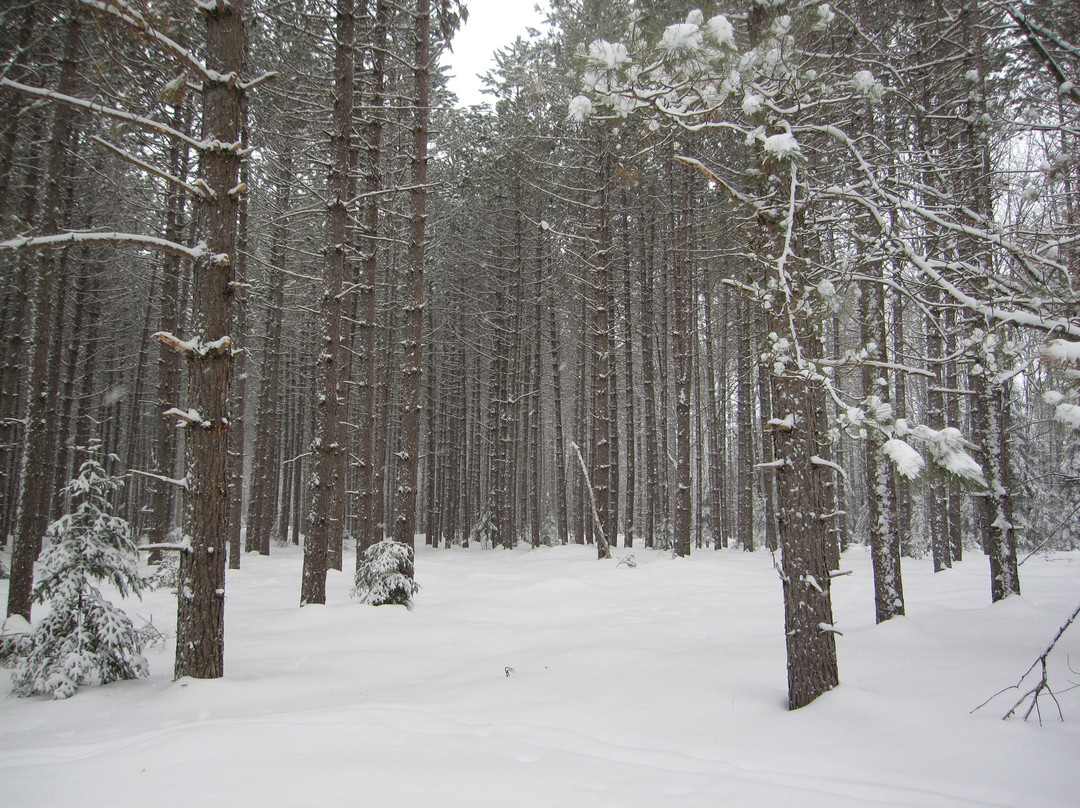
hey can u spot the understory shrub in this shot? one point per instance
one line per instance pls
(84, 638)
(385, 575)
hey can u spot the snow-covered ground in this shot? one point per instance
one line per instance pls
(547, 678)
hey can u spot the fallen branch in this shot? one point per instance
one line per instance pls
(1042, 687)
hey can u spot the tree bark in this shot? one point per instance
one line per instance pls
(200, 619)
(327, 484)
(413, 289)
(884, 539)
(38, 438)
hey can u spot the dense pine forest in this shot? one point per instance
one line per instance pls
(775, 275)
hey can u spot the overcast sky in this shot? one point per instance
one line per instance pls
(492, 25)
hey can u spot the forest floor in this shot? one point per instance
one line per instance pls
(547, 678)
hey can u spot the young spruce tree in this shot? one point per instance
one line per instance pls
(84, 638)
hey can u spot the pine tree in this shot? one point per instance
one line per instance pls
(85, 638)
(385, 575)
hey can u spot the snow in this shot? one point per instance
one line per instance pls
(15, 624)
(720, 31)
(825, 16)
(864, 83)
(909, 463)
(948, 448)
(782, 146)
(681, 39)
(751, 104)
(580, 109)
(608, 55)
(655, 686)
(1062, 351)
(1068, 414)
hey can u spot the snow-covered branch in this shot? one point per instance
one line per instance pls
(122, 11)
(94, 106)
(179, 483)
(194, 346)
(821, 461)
(196, 190)
(86, 237)
(181, 547)
(189, 416)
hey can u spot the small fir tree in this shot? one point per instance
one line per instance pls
(84, 638)
(386, 575)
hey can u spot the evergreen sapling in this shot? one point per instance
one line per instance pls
(386, 575)
(84, 638)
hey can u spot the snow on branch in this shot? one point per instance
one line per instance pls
(1062, 352)
(948, 449)
(190, 416)
(87, 237)
(1025, 318)
(181, 547)
(194, 346)
(122, 11)
(785, 424)
(1032, 31)
(197, 190)
(93, 106)
(821, 461)
(774, 464)
(179, 483)
(908, 462)
(255, 82)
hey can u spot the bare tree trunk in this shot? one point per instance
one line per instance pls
(367, 313)
(200, 619)
(935, 418)
(997, 529)
(884, 539)
(600, 337)
(744, 504)
(808, 619)
(32, 511)
(628, 362)
(237, 443)
(12, 395)
(267, 449)
(562, 526)
(327, 485)
(681, 341)
(413, 290)
(13, 110)
(715, 436)
(648, 383)
(768, 482)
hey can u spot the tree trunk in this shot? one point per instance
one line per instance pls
(562, 525)
(413, 290)
(327, 485)
(200, 618)
(681, 340)
(267, 450)
(237, 443)
(38, 436)
(808, 619)
(884, 539)
(744, 502)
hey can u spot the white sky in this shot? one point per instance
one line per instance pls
(492, 25)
